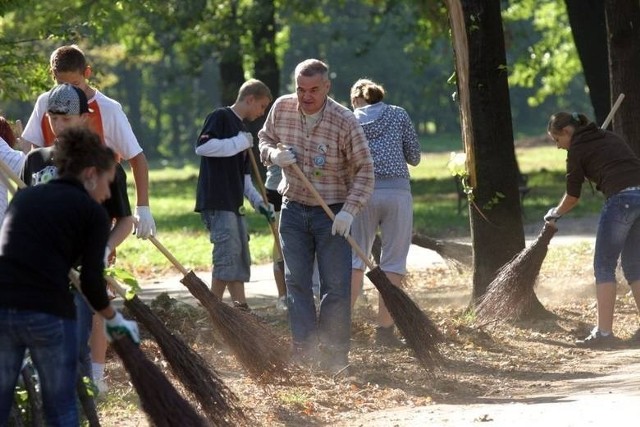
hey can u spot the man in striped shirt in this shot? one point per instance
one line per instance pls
(328, 144)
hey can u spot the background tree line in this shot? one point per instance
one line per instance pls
(170, 62)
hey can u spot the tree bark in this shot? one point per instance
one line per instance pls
(496, 222)
(623, 31)
(589, 29)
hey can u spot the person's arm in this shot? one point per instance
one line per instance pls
(226, 147)
(145, 224)
(410, 142)
(566, 204)
(120, 231)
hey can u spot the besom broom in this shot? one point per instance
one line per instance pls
(420, 333)
(257, 348)
(218, 402)
(160, 401)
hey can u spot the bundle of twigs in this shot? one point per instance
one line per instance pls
(511, 294)
(455, 254)
(159, 399)
(256, 346)
(420, 333)
(218, 402)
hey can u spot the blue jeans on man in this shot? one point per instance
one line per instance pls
(305, 233)
(53, 345)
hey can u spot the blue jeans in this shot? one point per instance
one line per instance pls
(618, 235)
(305, 232)
(52, 343)
(84, 315)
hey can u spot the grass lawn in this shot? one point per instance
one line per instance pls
(435, 208)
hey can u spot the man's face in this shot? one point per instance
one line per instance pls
(74, 78)
(312, 92)
(60, 122)
(257, 107)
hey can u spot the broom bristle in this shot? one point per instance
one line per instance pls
(218, 402)
(159, 399)
(511, 293)
(420, 333)
(255, 345)
(455, 254)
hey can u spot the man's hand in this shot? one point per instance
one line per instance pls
(552, 215)
(118, 325)
(267, 211)
(282, 157)
(145, 225)
(342, 224)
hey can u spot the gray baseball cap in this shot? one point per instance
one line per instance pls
(68, 100)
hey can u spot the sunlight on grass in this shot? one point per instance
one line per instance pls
(435, 208)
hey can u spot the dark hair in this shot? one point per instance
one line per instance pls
(559, 121)
(367, 89)
(68, 58)
(6, 132)
(79, 148)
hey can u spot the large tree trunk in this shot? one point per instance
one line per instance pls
(589, 29)
(623, 29)
(496, 222)
(266, 64)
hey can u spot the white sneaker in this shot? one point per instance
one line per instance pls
(281, 305)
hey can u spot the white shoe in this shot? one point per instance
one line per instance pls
(281, 305)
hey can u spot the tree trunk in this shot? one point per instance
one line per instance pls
(266, 64)
(495, 213)
(589, 28)
(623, 21)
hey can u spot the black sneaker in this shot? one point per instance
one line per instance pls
(387, 338)
(595, 339)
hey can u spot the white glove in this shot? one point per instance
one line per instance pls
(342, 224)
(282, 157)
(249, 138)
(145, 225)
(552, 215)
(118, 325)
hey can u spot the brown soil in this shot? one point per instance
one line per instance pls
(498, 361)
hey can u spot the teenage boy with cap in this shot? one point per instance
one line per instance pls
(67, 107)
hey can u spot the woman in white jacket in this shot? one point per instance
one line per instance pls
(10, 157)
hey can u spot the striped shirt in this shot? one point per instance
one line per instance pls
(333, 153)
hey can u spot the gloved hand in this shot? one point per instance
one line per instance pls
(552, 215)
(282, 157)
(248, 137)
(267, 211)
(342, 224)
(145, 225)
(118, 325)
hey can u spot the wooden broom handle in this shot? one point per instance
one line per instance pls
(168, 254)
(263, 192)
(329, 212)
(614, 108)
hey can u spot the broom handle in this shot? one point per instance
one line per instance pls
(614, 108)
(329, 212)
(168, 254)
(263, 192)
(6, 170)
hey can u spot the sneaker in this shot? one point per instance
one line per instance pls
(281, 304)
(595, 339)
(243, 306)
(387, 338)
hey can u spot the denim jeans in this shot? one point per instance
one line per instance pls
(230, 255)
(52, 343)
(618, 234)
(305, 233)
